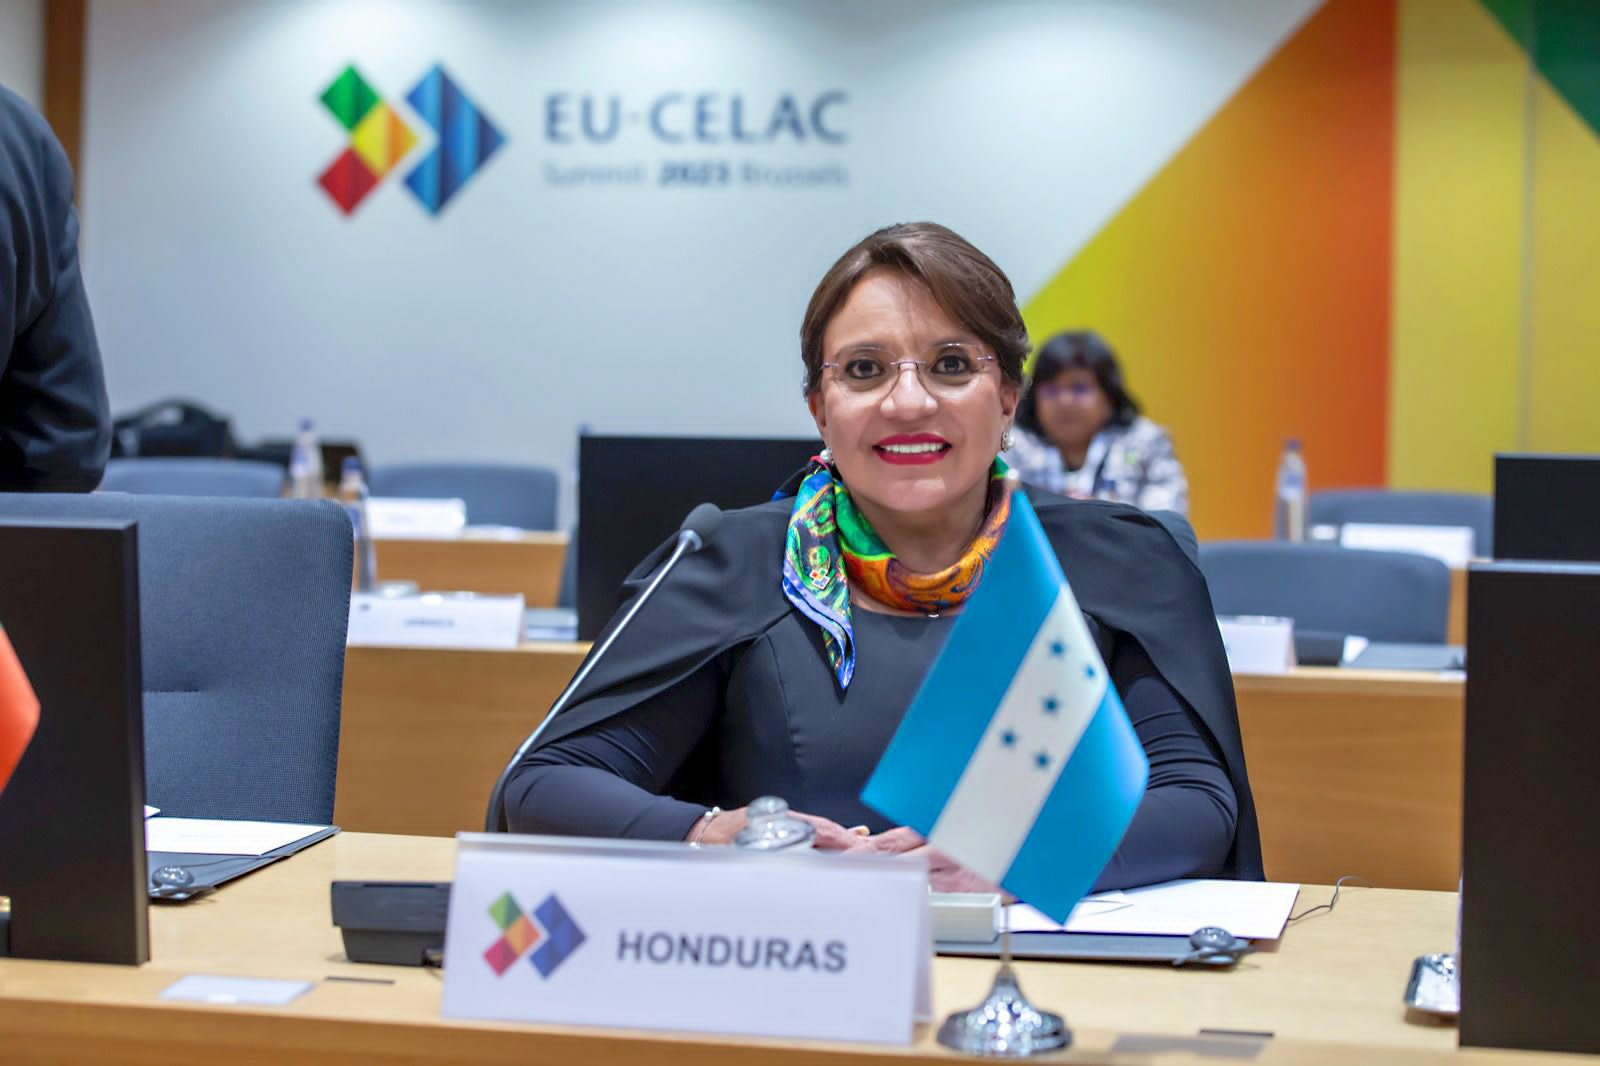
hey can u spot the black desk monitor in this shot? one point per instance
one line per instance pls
(72, 817)
(1547, 507)
(633, 492)
(1530, 847)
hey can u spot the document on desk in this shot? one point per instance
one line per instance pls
(217, 836)
(1254, 910)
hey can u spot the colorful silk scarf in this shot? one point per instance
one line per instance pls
(830, 543)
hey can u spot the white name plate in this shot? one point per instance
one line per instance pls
(1451, 545)
(662, 936)
(1258, 644)
(395, 517)
(435, 620)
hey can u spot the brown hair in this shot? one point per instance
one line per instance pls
(964, 282)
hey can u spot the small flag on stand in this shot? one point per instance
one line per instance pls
(1016, 758)
(19, 710)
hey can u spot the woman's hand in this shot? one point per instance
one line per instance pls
(947, 875)
(831, 836)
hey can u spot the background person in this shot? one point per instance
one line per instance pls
(55, 419)
(1080, 433)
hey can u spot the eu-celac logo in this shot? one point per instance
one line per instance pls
(380, 139)
(555, 937)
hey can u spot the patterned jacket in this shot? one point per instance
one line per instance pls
(1134, 464)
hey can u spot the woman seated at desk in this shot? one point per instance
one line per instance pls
(780, 658)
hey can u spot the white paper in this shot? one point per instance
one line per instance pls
(395, 516)
(151, 812)
(217, 836)
(204, 988)
(1254, 910)
(1353, 646)
(1451, 545)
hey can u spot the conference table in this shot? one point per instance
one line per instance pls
(1330, 990)
(1354, 771)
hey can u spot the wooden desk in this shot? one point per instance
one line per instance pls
(529, 563)
(426, 731)
(1456, 626)
(1356, 772)
(1330, 991)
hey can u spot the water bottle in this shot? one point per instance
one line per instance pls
(305, 464)
(353, 494)
(1289, 515)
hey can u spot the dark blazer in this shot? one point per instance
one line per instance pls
(55, 420)
(1128, 573)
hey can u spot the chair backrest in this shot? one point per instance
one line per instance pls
(496, 494)
(243, 610)
(567, 591)
(1335, 507)
(1384, 596)
(193, 477)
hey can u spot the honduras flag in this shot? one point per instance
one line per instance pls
(1016, 758)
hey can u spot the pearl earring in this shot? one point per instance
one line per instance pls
(1005, 439)
(826, 455)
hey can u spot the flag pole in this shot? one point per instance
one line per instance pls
(1005, 1024)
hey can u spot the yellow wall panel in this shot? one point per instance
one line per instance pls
(1456, 332)
(1564, 357)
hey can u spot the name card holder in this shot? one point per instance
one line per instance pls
(1258, 644)
(648, 935)
(435, 620)
(399, 517)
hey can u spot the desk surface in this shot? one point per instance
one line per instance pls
(1330, 990)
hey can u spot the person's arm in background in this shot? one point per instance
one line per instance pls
(55, 421)
(1162, 486)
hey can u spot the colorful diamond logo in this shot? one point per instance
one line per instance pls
(381, 138)
(555, 937)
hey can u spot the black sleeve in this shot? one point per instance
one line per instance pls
(606, 780)
(1184, 825)
(55, 421)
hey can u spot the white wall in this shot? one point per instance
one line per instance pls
(219, 270)
(22, 48)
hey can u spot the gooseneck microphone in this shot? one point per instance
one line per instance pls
(692, 536)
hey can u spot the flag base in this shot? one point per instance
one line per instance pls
(1005, 1025)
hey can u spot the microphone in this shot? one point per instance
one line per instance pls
(698, 528)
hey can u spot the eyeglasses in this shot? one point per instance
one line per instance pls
(948, 373)
(1078, 390)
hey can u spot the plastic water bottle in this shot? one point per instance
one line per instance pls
(305, 464)
(1289, 515)
(353, 494)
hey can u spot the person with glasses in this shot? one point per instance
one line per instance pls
(1080, 433)
(779, 659)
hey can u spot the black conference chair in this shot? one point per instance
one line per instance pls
(496, 494)
(1335, 507)
(194, 477)
(243, 608)
(1383, 596)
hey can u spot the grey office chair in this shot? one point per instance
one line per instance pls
(193, 477)
(496, 494)
(1335, 507)
(1383, 596)
(243, 607)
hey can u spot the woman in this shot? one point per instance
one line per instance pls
(780, 657)
(1080, 431)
